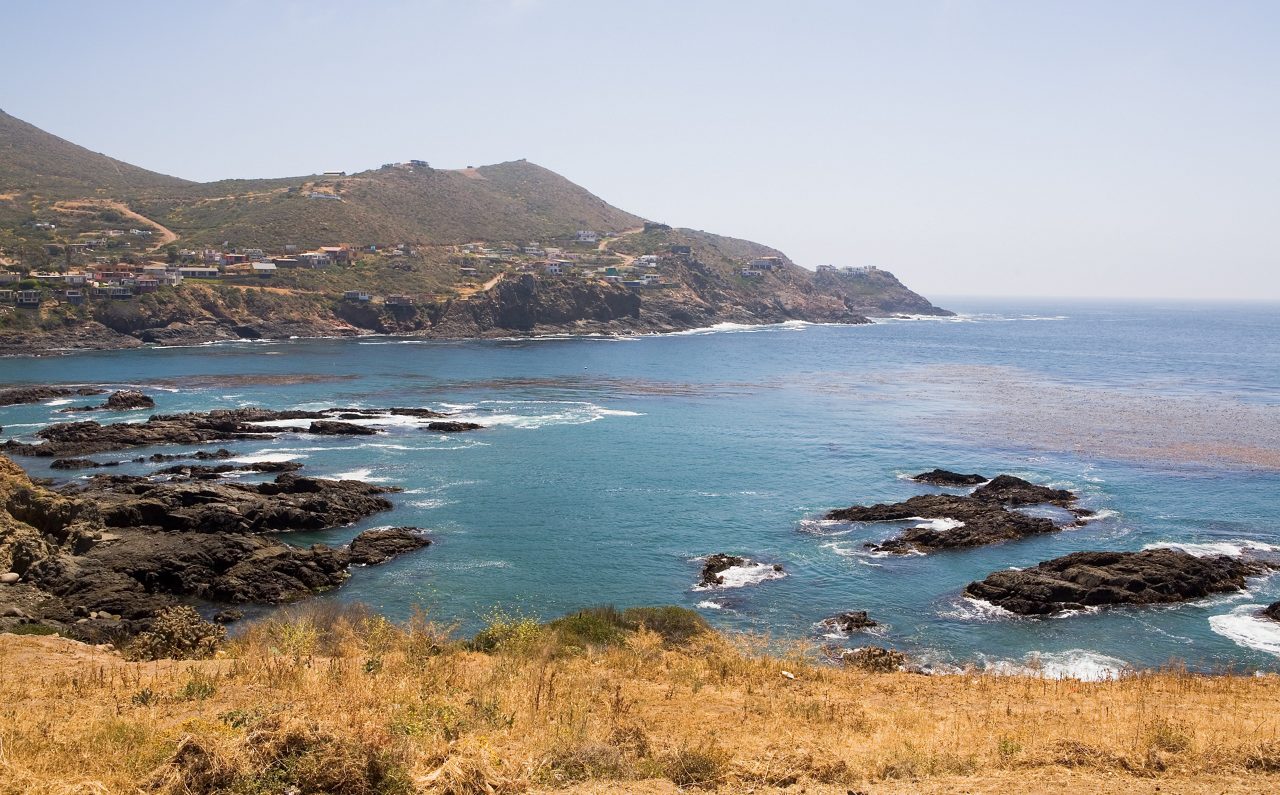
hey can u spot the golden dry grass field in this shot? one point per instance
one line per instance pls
(345, 702)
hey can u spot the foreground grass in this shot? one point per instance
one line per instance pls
(604, 701)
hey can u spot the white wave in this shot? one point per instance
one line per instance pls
(60, 402)
(1234, 548)
(749, 573)
(738, 328)
(707, 604)
(364, 473)
(430, 504)
(1097, 516)
(940, 525)
(966, 608)
(1081, 664)
(1246, 626)
(824, 527)
(267, 456)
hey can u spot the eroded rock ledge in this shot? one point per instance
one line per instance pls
(986, 516)
(1091, 579)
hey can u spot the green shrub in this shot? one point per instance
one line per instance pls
(178, 633)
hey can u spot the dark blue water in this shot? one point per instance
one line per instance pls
(610, 465)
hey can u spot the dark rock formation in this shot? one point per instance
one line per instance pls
(213, 472)
(378, 546)
(199, 455)
(985, 514)
(78, 439)
(714, 565)
(127, 399)
(290, 502)
(81, 463)
(103, 560)
(1008, 490)
(1272, 611)
(335, 428)
(37, 394)
(984, 523)
(851, 621)
(1089, 579)
(945, 477)
(453, 427)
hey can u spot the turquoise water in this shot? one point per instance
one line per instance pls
(609, 465)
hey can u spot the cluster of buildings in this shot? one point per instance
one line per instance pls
(848, 270)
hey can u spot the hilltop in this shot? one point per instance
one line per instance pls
(94, 251)
(34, 160)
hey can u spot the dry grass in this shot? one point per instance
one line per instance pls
(345, 702)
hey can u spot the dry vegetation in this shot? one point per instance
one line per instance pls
(641, 701)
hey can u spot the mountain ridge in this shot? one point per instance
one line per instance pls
(464, 252)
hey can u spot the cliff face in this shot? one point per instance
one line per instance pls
(697, 295)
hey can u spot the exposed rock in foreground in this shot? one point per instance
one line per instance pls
(102, 561)
(124, 400)
(1091, 579)
(945, 477)
(981, 518)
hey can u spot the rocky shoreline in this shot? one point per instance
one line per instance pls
(103, 558)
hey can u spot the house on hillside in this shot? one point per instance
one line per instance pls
(199, 272)
(398, 300)
(314, 259)
(263, 270)
(357, 295)
(751, 273)
(339, 254)
(6, 296)
(826, 269)
(74, 297)
(28, 298)
(587, 236)
(147, 284)
(766, 263)
(74, 278)
(10, 277)
(554, 269)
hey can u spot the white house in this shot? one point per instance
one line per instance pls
(751, 273)
(587, 236)
(553, 269)
(198, 272)
(357, 295)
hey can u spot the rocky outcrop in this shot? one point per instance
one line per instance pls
(453, 427)
(984, 517)
(213, 472)
(378, 546)
(945, 477)
(1092, 579)
(1009, 490)
(714, 565)
(101, 561)
(847, 622)
(336, 428)
(39, 394)
(983, 523)
(127, 399)
(78, 439)
(290, 502)
(1272, 611)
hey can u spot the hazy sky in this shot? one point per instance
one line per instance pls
(986, 148)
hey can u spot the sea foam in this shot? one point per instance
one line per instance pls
(1247, 627)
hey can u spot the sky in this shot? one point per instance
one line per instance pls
(1098, 149)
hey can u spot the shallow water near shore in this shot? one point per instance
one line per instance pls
(608, 466)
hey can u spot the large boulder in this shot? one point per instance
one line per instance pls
(453, 427)
(336, 428)
(1092, 579)
(1010, 490)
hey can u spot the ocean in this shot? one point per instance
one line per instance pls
(609, 466)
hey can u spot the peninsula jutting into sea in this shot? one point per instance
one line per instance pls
(101, 254)
(408, 477)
